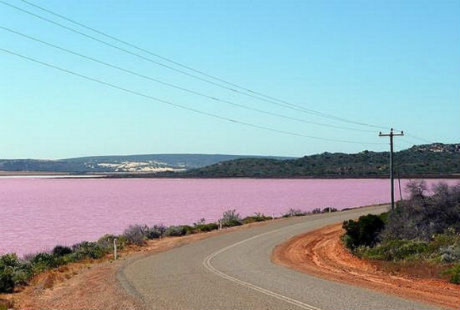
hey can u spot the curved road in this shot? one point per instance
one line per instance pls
(234, 271)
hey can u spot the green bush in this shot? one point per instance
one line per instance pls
(44, 261)
(294, 212)
(60, 250)
(13, 272)
(363, 232)
(454, 273)
(396, 250)
(87, 249)
(156, 231)
(231, 223)
(177, 231)
(258, 217)
(206, 227)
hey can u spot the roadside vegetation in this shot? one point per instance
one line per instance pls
(425, 229)
(16, 272)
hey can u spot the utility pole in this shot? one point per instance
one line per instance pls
(391, 135)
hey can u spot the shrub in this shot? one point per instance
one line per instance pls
(329, 209)
(136, 234)
(294, 212)
(450, 254)
(231, 218)
(454, 273)
(60, 250)
(257, 217)
(444, 240)
(396, 250)
(106, 242)
(316, 211)
(43, 261)
(13, 272)
(156, 231)
(87, 249)
(422, 217)
(206, 227)
(177, 231)
(417, 189)
(363, 232)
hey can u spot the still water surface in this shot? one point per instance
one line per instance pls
(38, 213)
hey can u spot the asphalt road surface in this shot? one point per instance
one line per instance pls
(234, 271)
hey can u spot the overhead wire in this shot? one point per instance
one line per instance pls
(122, 69)
(249, 93)
(133, 92)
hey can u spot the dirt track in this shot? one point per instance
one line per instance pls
(321, 253)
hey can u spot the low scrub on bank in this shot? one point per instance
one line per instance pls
(454, 273)
(421, 229)
(298, 212)
(15, 271)
(258, 217)
(231, 218)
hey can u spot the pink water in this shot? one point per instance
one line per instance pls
(36, 213)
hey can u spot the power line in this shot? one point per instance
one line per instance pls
(102, 82)
(188, 67)
(176, 86)
(407, 141)
(419, 138)
(250, 93)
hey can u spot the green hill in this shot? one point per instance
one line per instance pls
(424, 160)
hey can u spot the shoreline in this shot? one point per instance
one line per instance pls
(63, 287)
(148, 175)
(97, 279)
(52, 288)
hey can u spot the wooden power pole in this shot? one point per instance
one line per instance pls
(391, 135)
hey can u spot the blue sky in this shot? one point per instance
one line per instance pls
(390, 63)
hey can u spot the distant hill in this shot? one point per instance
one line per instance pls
(121, 163)
(423, 160)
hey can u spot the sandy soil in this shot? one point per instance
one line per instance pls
(322, 254)
(94, 284)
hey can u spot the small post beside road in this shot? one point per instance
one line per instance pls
(115, 254)
(391, 135)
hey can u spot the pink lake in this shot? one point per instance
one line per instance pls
(39, 213)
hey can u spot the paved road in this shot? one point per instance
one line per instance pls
(234, 271)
